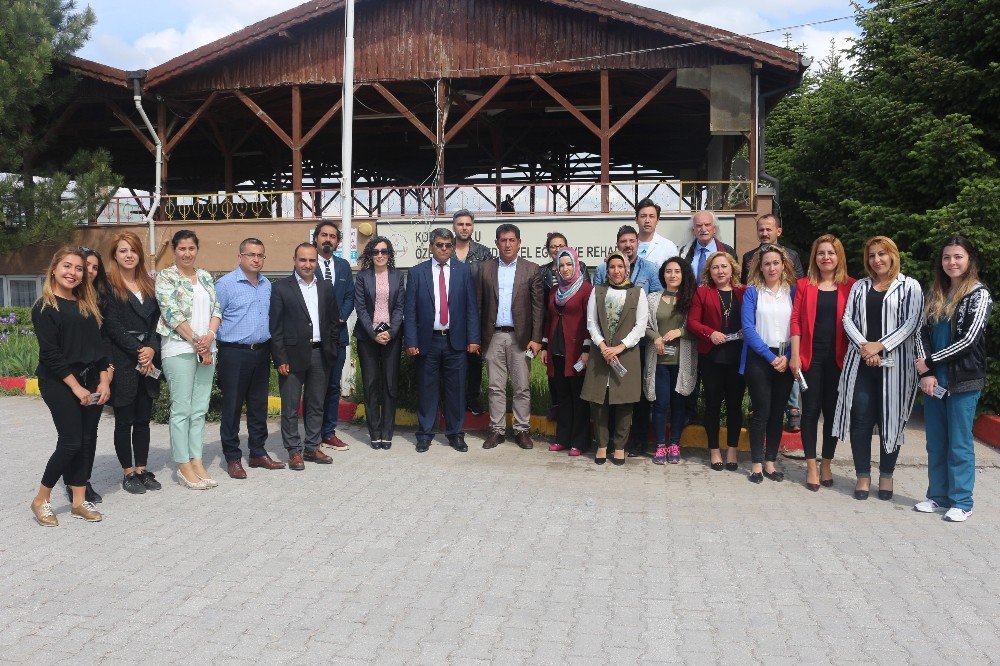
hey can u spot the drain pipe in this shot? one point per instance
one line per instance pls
(762, 97)
(137, 77)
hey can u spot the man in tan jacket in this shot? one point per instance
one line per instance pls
(512, 314)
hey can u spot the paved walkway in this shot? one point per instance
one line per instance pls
(502, 556)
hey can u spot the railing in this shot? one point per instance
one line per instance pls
(407, 202)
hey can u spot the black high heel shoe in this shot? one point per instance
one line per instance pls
(755, 477)
(884, 494)
(775, 475)
(733, 466)
(600, 460)
(861, 494)
(618, 461)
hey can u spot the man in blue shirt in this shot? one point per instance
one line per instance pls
(643, 274)
(245, 358)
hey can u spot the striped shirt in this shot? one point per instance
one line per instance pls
(244, 308)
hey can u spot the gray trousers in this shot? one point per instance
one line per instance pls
(505, 359)
(308, 387)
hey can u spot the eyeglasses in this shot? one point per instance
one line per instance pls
(556, 247)
(381, 251)
(443, 246)
(253, 255)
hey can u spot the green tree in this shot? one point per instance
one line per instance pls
(906, 143)
(42, 202)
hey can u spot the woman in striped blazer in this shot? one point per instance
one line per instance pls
(879, 381)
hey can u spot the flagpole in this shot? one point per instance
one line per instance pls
(347, 144)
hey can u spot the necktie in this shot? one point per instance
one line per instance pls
(701, 262)
(443, 292)
(326, 270)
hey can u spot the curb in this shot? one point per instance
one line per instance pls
(987, 428)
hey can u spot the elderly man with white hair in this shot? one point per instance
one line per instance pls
(704, 228)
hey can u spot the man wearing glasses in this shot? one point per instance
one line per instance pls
(245, 358)
(441, 326)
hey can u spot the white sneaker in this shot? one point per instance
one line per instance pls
(927, 506)
(956, 515)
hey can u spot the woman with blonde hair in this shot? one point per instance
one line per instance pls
(818, 348)
(767, 319)
(951, 360)
(715, 320)
(72, 378)
(879, 381)
(131, 315)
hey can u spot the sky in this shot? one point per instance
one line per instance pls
(139, 35)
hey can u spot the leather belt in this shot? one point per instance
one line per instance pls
(317, 345)
(441, 333)
(239, 345)
(504, 329)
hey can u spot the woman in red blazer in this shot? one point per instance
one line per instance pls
(714, 320)
(565, 350)
(818, 348)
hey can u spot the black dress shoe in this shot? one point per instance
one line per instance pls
(775, 475)
(756, 477)
(732, 467)
(600, 460)
(133, 484)
(149, 480)
(718, 467)
(92, 495)
(860, 494)
(386, 446)
(423, 445)
(475, 406)
(458, 444)
(884, 494)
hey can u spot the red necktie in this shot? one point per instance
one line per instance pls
(443, 292)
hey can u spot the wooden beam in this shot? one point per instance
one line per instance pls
(566, 104)
(399, 106)
(195, 117)
(266, 119)
(60, 121)
(297, 149)
(605, 136)
(127, 122)
(327, 117)
(476, 108)
(646, 99)
(243, 139)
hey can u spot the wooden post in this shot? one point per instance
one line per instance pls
(440, 141)
(297, 150)
(752, 151)
(605, 142)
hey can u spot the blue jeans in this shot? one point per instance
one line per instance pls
(668, 400)
(951, 456)
(331, 410)
(866, 412)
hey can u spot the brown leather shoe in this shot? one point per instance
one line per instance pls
(235, 469)
(317, 456)
(295, 461)
(493, 440)
(335, 443)
(523, 439)
(266, 461)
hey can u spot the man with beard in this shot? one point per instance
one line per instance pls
(337, 272)
(471, 254)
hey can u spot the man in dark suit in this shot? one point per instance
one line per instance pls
(337, 272)
(512, 316)
(441, 326)
(768, 232)
(704, 228)
(305, 329)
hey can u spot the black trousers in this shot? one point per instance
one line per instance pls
(572, 421)
(76, 427)
(823, 376)
(769, 391)
(132, 429)
(639, 437)
(243, 376)
(722, 382)
(380, 374)
(474, 377)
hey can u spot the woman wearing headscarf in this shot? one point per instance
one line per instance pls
(566, 351)
(616, 318)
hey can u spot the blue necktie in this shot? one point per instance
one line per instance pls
(701, 262)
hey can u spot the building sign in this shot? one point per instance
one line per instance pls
(592, 237)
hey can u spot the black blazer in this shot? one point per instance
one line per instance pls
(364, 303)
(122, 320)
(291, 327)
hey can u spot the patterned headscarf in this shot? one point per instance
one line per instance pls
(627, 282)
(567, 288)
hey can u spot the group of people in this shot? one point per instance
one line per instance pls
(626, 350)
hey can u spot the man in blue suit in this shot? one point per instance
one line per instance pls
(337, 272)
(440, 326)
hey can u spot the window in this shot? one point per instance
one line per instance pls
(23, 292)
(3, 294)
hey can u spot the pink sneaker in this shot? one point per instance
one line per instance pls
(556, 446)
(661, 455)
(673, 454)
(575, 452)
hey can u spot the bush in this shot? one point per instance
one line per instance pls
(14, 320)
(18, 354)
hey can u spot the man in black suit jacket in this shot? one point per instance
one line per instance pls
(305, 329)
(768, 232)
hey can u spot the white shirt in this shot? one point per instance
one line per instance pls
(436, 269)
(657, 250)
(774, 316)
(201, 315)
(310, 292)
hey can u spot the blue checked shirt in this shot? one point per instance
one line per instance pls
(244, 308)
